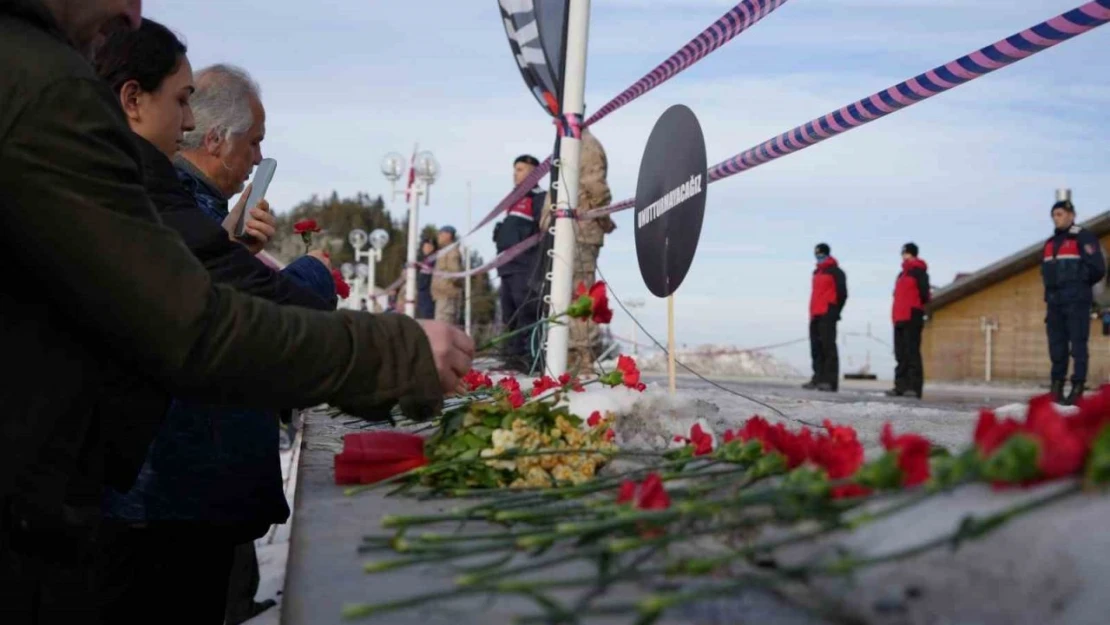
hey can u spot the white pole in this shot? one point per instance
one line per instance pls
(371, 280)
(562, 273)
(410, 271)
(466, 313)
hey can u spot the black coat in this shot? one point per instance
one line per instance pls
(96, 287)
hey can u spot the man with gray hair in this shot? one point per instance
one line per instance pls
(214, 163)
(217, 157)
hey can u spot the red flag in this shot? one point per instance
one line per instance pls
(412, 176)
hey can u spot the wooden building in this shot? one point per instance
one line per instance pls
(989, 325)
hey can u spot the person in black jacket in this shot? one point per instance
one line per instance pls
(116, 294)
(425, 305)
(212, 479)
(1071, 265)
(520, 223)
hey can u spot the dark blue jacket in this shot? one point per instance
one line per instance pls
(521, 221)
(216, 464)
(1071, 264)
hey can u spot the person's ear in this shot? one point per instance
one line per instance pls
(213, 143)
(130, 99)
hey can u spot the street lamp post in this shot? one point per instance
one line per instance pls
(425, 169)
(378, 239)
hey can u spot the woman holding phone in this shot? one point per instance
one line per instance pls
(212, 478)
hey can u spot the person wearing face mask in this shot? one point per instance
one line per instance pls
(120, 297)
(826, 301)
(1071, 265)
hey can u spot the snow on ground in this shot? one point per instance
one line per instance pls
(721, 360)
(654, 417)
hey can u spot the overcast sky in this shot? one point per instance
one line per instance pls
(968, 175)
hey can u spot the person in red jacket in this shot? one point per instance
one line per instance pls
(911, 293)
(830, 292)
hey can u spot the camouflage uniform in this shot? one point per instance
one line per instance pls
(593, 192)
(447, 292)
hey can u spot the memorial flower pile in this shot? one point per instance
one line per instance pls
(537, 487)
(807, 482)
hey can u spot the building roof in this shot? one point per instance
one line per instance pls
(968, 284)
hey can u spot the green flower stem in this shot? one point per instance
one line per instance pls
(970, 528)
(501, 338)
(534, 496)
(382, 566)
(363, 610)
(613, 609)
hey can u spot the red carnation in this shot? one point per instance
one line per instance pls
(646, 495)
(305, 225)
(701, 440)
(627, 374)
(913, 454)
(566, 380)
(513, 392)
(545, 383)
(840, 454)
(594, 419)
(342, 289)
(592, 302)
(1061, 444)
(475, 380)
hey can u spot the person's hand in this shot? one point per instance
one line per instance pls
(259, 227)
(453, 352)
(321, 256)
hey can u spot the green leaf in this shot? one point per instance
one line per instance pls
(1098, 460)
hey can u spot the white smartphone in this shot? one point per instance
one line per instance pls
(263, 175)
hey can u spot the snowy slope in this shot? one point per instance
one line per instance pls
(726, 361)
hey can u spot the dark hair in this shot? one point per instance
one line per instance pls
(148, 56)
(527, 158)
(822, 248)
(910, 248)
(1064, 204)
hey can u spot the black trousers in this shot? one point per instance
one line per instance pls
(1068, 325)
(177, 570)
(909, 374)
(822, 348)
(518, 309)
(38, 587)
(243, 583)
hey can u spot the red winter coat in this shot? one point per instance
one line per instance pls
(830, 289)
(911, 290)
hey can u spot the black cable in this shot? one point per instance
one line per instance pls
(696, 374)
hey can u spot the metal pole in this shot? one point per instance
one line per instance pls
(562, 273)
(466, 313)
(372, 279)
(410, 270)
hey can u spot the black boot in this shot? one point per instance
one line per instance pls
(1057, 391)
(809, 386)
(1077, 388)
(894, 392)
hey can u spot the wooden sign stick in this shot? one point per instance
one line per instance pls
(670, 341)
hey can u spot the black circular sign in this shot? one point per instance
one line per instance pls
(670, 200)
